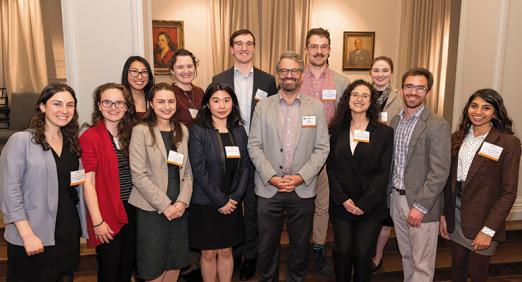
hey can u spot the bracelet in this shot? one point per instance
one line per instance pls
(94, 226)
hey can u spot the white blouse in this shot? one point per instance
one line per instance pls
(467, 152)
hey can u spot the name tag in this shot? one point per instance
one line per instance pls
(490, 151)
(193, 113)
(383, 116)
(361, 136)
(232, 152)
(308, 121)
(260, 95)
(175, 158)
(77, 177)
(329, 95)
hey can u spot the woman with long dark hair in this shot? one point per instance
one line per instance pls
(222, 170)
(162, 180)
(138, 78)
(482, 186)
(105, 157)
(358, 169)
(38, 166)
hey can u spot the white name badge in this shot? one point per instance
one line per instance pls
(308, 121)
(260, 95)
(193, 113)
(175, 158)
(77, 177)
(232, 152)
(361, 136)
(383, 116)
(490, 151)
(329, 95)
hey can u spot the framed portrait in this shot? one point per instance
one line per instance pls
(358, 50)
(167, 37)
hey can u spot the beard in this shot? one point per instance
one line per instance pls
(288, 86)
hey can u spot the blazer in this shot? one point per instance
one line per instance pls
(262, 80)
(29, 189)
(264, 146)
(148, 163)
(363, 60)
(394, 104)
(361, 176)
(207, 159)
(489, 191)
(427, 163)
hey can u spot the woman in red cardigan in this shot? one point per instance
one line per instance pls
(105, 157)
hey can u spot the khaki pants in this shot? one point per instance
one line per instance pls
(321, 208)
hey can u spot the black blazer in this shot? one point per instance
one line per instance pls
(362, 176)
(262, 80)
(207, 159)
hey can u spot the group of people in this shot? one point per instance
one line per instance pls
(163, 169)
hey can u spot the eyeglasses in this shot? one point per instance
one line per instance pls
(356, 95)
(419, 89)
(240, 44)
(134, 73)
(292, 71)
(316, 47)
(108, 104)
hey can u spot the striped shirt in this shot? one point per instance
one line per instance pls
(289, 118)
(123, 171)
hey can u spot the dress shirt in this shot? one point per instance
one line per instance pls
(243, 87)
(467, 152)
(314, 86)
(289, 117)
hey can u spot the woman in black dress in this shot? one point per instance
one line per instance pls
(221, 169)
(38, 204)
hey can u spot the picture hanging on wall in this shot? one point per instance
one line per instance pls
(167, 37)
(358, 50)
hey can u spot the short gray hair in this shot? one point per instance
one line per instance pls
(292, 56)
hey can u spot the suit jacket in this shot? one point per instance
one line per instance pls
(262, 80)
(394, 104)
(363, 60)
(489, 191)
(208, 164)
(361, 176)
(265, 148)
(29, 189)
(148, 163)
(427, 163)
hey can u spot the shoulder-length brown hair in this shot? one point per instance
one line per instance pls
(69, 131)
(129, 118)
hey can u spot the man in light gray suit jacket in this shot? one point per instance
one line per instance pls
(288, 145)
(421, 165)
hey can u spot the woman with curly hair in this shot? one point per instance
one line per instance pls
(482, 186)
(42, 226)
(105, 157)
(358, 169)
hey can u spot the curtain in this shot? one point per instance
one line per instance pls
(424, 42)
(277, 25)
(23, 47)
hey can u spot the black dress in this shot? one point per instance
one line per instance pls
(62, 258)
(210, 229)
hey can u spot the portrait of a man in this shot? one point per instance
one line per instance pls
(358, 50)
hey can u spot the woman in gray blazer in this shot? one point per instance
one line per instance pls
(160, 168)
(37, 168)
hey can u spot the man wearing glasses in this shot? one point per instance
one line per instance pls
(288, 145)
(251, 85)
(327, 86)
(421, 163)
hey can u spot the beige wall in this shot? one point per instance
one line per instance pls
(489, 56)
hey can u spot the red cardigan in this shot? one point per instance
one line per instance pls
(99, 156)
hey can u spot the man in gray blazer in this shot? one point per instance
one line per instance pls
(288, 145)
(421, 165)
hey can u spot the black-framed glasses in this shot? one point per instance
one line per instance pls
(108, 104)
(240, 44)
(419, 89)
(135, 73)
(292, 71)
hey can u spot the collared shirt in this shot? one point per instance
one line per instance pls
(243, 87)
(289, 119)
(467, 152)
(313, 86)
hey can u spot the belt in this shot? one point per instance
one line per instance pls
(401, 192)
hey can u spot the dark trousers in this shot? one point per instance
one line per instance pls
(466, 263)
(117, 260)
(271, 214)
(354, 244)
(249, 249)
